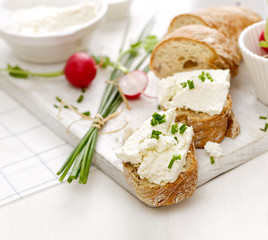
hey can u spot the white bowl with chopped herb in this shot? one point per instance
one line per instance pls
(47, 31)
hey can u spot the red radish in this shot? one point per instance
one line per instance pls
(80, 70)
(262, 38)
(133, 84)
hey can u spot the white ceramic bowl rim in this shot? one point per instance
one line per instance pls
(242, 44)
(101, 12)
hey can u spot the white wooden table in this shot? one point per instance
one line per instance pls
(232, 206)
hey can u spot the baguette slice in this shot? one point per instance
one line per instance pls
(230, 20)
(210, 128)
(194, 47)
(156, 195)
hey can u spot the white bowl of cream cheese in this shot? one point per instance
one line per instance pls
(48, 31)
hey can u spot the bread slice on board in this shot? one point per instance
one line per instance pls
(210, 128)
(229, 20)
(156, 195)
(194, 47)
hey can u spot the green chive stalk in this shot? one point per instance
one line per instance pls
(80, 159)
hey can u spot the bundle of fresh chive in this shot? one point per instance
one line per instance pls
(79, 161)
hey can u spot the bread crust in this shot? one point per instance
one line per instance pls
(229, 20)
(226, 53)
(210, 128)
(156, 195)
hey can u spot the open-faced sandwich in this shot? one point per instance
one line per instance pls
(202, 101)
(159, 160)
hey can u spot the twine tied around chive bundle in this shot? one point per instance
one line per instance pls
(98, 122)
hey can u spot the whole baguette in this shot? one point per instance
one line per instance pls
(194, 47)
(229, 20)
(156, 195)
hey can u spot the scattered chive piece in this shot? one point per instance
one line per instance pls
(155, 134)
(65, 106)
(175, 157)
(212, 160)
(158, 107)
(176, 138)
(265, 128)
(86, 113)
(55, 106)
(184, 84)
(182, 128)
(58, 99)
(80, 99)
(174, 128)
(262, 117)
(158, 119)
(83, 90)
(190, 84)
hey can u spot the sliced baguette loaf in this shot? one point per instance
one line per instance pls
(210, 128)
(230, 20)
(194, 47)
(156, 195)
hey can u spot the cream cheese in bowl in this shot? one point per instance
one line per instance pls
(47, 19)
(48, 31)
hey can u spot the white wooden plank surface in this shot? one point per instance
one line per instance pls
(38, 95)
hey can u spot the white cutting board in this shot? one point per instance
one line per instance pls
(38, 95)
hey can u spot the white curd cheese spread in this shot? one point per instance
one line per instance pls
(213, 149)
(152, 156)
(206, 93)
(46, 19)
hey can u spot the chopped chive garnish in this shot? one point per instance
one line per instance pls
(55, 106)
(190, 84)
(86, 113)
(174, 128)
(209, 77)
(176, 138)
(262, 117)
(83, 90)
(80, 99)
(58, 99)
(65, 106)
(158, 107)
(202, 76)
(184, 84)
(212, 160)
(182, 128)
(171, 163)
(155, 134)
(265, 127)
(158, 119)
(162, 121)
(153, 122)
(175, 157)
